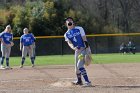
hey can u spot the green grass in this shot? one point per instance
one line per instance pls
(69, 59)
(116, 58)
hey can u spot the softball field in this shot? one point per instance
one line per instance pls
(105, 78)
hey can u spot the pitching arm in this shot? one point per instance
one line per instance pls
(71, 45)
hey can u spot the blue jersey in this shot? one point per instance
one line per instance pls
(6, 37)
(27, 39)
(75, 36)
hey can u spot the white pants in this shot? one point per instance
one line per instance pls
(27, 50)
(79, 63)
(6, 50)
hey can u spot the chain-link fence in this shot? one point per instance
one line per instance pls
(98, 44)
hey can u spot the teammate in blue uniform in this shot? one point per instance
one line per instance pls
(76, 39)
(6, 38)
(26, 46)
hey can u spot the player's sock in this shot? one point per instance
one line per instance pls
(22, 61)
(83, 72)
(2, 60)
(79, 77)
(7, 62)
(32, 60)
(34, 57)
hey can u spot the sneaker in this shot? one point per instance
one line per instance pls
(21, 66)
(33, 65)
(87, 84)
(7, 67)
(2, 67)
(77, 83)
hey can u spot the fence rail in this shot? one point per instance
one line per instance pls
(99, 43)
(93, 35)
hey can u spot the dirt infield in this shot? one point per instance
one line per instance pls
(106, 78)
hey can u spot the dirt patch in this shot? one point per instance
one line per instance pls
(105, 78)
(62, 84)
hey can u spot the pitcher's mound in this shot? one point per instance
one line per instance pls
(62, 84)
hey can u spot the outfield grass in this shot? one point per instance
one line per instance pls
(69, 59)
(116, 58)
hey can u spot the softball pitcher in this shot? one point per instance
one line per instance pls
(6, 38)
(76, 39)
(26, 46)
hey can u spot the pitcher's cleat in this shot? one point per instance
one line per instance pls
(21, 66)
(77, 83)
(33, 65)
(87, 84)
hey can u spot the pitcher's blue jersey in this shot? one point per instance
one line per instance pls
(75, 36)
(27, 39)
(6, 37)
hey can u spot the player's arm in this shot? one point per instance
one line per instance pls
(33, 38)
(2, 41)
(71, 45)
(21, 43)
(1, 36)
(21, 46)
(12, 43)
(84, 37)
(69, 42)
(85, 41)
